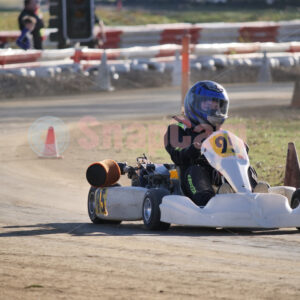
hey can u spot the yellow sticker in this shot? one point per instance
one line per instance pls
(223, 146)
(101, 197)
(173, 174)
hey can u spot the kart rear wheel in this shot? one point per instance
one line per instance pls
(92, 210)
(295, 201)
(151, 210)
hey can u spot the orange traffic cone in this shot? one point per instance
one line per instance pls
(292, 169)
(50, 149)
(77, 56)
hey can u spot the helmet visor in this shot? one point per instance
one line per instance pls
(210, 106)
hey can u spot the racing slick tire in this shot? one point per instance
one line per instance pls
(92, 210)
(151, 210)
(295, 201)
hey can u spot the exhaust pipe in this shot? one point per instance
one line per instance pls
(103, 174)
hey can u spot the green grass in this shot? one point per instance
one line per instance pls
(132, 17)
(9, 20)
(269, 131)
(111, 17)
(235, 15)
(34, 286)
(268, 141)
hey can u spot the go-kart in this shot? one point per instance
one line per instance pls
(155, 195)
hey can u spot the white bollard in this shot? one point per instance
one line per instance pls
(264, 74)
(176, 74)
(103, 78)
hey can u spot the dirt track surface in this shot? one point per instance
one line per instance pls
(50, 250)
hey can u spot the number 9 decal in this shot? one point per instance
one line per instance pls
(223, 146)
(221, 143)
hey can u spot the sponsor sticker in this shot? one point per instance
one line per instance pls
(101, 198)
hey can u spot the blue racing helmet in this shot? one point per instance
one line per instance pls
(206, 102)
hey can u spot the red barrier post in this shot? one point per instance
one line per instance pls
(185, 74)
(77, 56)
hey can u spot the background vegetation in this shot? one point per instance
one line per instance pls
(143, 14)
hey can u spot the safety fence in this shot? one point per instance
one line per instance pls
(163, 65)
(17, 56)
(203, 33)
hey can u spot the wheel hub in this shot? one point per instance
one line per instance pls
(147, 210)
(92, 203)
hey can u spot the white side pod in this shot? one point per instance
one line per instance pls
(120, 203)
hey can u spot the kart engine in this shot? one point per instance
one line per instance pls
(145, 174)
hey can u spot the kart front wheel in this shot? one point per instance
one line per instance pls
(151, 210)
(295, 201)
(92, 209)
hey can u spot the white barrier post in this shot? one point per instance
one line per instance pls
(103, 78)
(176, 74)
(265, 71)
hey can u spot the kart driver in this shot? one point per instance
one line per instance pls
(206, 109)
